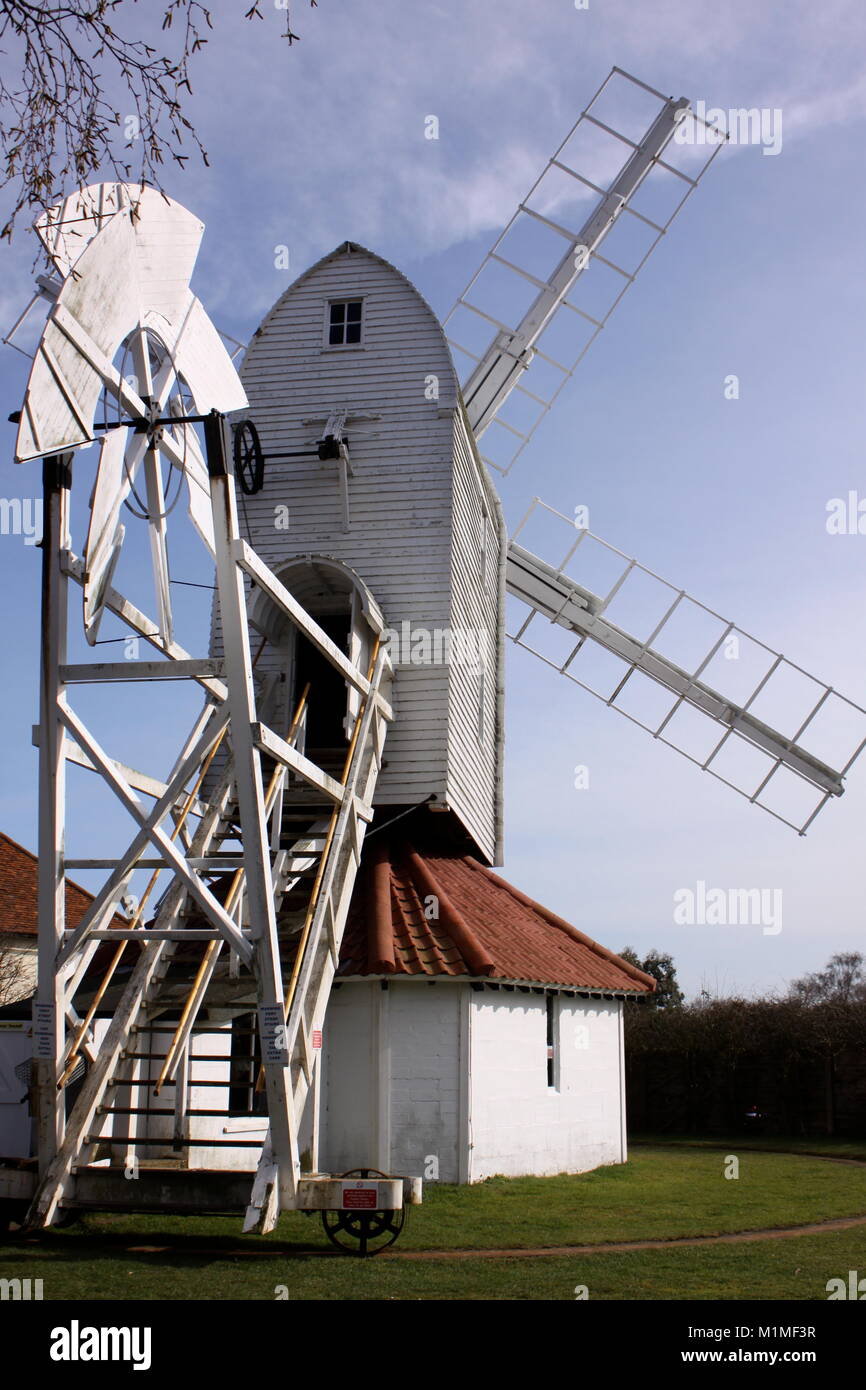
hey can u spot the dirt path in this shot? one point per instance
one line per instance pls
(841, 1223)
(618, 1247)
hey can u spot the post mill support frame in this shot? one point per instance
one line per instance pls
(245, 922)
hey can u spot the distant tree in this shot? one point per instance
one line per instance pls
(842, 981)
(56, 123)
(668, 994)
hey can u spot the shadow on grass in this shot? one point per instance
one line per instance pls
(85, 1239)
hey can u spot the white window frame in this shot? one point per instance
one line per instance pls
(326, 328)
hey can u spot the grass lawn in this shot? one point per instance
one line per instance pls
(660, 1193)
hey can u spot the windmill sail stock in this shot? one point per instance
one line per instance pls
(520, 328)
(780, 737)
(532, 309)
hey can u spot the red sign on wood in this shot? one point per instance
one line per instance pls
(360, 1198)
(317, 1037)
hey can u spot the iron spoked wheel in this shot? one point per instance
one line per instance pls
(363, 1233)
(248, 458)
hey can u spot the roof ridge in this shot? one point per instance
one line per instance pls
(561, 925)
(23, 848)
(380, 927)
(427, 945)
(484, 927)
(472, 950)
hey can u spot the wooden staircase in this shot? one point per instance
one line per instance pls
(185, 968)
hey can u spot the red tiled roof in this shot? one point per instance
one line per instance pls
(18, 892)
(484, 927)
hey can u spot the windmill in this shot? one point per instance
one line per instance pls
(361, 578)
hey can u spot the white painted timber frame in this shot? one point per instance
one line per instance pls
(60, 403)
(230, 706)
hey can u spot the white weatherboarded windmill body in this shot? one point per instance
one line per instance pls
(327, 828)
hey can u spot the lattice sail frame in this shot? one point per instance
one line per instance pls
(505, 365)
(552, 596)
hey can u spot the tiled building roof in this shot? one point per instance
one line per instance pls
(445, 914)
(18, 892)
(432, 913)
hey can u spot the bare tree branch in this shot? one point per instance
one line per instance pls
(56, 123)
(11, 976)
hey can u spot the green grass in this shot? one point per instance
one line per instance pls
(796, 1268)
(661, 1193)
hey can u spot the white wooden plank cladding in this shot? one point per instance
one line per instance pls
(473, 754)
(416, 501)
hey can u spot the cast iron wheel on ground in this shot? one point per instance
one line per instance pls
(363, 1233)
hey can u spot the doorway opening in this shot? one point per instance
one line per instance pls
(342, 605)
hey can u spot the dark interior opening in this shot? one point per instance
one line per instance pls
(327, 697)
(245, 1061)
(551, 1040)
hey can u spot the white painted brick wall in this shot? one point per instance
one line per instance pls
(422, 1032)
(518, 1124)
(348, 1131)
(425, 1078)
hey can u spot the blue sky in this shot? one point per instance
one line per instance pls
(760, 276)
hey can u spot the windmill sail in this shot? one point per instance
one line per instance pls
(526, 289)
(781, 738)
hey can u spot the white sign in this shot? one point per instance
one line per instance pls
(272, 1026)
(43, 1031)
